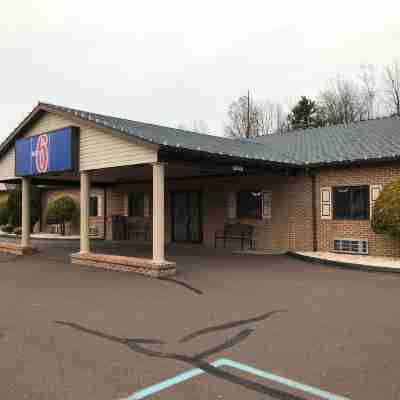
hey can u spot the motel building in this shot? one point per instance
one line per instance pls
(310, 190)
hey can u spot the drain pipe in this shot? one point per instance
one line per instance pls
(105, 214)
(313, 174)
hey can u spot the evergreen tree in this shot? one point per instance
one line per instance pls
(386, 211)
(304, 114)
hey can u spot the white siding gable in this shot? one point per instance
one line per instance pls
(7, 165)
(98, 149)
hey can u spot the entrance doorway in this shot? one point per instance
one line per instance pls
(186, 217)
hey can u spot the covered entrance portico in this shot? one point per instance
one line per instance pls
(180, 192)
(157, 266)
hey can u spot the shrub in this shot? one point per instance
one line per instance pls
(386, 212)
(14, 206)
(7, 229)
(61, 210)
(4, 216)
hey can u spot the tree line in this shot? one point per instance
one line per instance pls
(369, 95)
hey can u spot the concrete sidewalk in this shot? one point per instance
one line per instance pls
(370, 263)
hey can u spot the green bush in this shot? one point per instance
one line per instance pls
(7, 229)
(62, 210)
(14, 206)
(386, 212)
(4, 216)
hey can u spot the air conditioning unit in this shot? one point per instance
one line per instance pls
(350, 246)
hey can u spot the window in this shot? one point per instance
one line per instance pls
(351, 202)
(250, 204)
(93, 206)
(136, 205)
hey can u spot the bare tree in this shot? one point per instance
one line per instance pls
(242, 115)
(342, 102)
(261, 118)
(391, 81)
(266, 118)
(368, 82)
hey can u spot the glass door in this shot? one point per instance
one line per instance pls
(186, 217)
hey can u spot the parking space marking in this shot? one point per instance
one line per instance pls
(224, 362)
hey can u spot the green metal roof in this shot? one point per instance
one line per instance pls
(182, 139)
(373, 140)
(377, 139)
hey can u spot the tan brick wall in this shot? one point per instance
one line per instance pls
(289, 227)
(331, 229)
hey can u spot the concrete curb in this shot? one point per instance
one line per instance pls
(56, 238)
(17, 249)
(343, 265)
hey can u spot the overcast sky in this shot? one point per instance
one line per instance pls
(172, 62)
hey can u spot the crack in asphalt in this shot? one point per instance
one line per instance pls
(181, 283)
(197, 360)
(228, 325)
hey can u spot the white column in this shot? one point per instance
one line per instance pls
(85, 196)
(26, 212)
(158, 213)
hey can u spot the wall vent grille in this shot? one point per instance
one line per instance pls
(350, 246)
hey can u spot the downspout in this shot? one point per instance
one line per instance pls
(105, 215)
(314, 208)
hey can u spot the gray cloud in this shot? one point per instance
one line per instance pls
(175, 62)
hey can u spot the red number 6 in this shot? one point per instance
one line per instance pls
(42, 154)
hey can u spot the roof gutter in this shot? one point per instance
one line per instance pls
(344, 163)
(168, 153)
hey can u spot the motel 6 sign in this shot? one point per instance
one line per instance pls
(41, 154)
(55, 151)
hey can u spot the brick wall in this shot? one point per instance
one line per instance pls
(289, 227)
(331, 229)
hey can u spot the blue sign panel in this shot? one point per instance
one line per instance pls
(46, 153)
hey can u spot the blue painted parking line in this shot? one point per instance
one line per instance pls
(224, 362)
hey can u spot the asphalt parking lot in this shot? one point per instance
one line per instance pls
(70, 332)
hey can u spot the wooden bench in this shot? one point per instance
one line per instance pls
(238, 231)
(139, 229)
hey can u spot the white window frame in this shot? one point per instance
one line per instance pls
(326, 203)
(374, 192)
